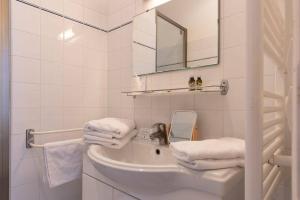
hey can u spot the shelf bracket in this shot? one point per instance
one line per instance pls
(224, 87)
(29, 138)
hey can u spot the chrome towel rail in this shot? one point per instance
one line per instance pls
(30, 133)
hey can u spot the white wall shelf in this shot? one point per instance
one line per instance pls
(221, 89)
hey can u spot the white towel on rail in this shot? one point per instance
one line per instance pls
(213, 164)
(222, 148)
(63, 161)
(108, 135)
(119, 127)
(114, 143)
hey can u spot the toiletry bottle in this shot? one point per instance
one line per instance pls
(199, 83)
(192, 83)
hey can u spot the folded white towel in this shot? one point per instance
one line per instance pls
(119, 127)
(63, 161)
(111, 143)
(222, 148)
(213, 164)
(108, 135)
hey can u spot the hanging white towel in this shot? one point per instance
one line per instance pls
(222, 148)
(213, 164)
(111, 143)
(63, 161)
(118, 126)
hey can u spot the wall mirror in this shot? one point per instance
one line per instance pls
(176, 35)
(182, 125)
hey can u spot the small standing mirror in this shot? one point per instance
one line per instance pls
(182, 126)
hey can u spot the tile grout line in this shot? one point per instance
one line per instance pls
(75, 20)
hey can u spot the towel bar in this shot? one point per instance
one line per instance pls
(30, 136)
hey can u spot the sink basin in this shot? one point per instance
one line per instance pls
(152, 170)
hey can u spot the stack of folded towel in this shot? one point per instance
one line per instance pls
(109, 132)
(210, 154)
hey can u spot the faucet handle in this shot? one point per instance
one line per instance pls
(160, 133)
(160, 127)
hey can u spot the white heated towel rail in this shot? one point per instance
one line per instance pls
(273, 140)
(269, 34)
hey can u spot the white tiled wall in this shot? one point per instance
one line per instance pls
(120, 12)
(218, 115)
(59, 81)
(93, 12)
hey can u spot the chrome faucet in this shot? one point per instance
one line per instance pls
(160, 133)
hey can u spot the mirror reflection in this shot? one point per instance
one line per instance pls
(171, 44)
(175, 36)
(182, 126)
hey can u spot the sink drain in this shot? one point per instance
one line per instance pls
(157, 151)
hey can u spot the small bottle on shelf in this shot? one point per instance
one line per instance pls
(192, 83)
(199, 83)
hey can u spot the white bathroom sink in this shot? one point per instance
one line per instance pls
(151, 169)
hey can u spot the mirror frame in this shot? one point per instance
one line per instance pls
(186, 68)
